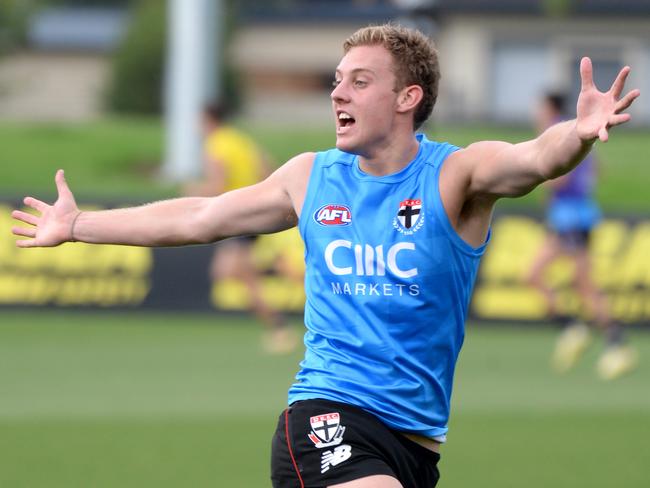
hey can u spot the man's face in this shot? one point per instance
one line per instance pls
(364, 100)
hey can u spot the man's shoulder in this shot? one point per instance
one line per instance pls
(332, 156)
(302, 164)
(435, 152)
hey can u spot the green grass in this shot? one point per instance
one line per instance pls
(138, 400)
(120, 158)
(110, 158)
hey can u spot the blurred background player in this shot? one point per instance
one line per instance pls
(572, 212)
(233, 160)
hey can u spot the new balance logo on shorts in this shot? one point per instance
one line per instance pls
(326, 431)
(335, 457)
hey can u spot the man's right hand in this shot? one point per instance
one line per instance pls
(53, 224)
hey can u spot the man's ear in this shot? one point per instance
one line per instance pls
(409, 97)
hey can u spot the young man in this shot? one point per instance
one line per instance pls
(572, 213)
(394, 226)
(233, 160)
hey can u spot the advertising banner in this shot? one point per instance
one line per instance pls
(82, 275)
(620, 267)
(108, 276)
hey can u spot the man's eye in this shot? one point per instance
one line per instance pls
(360, 83)
(336, 83)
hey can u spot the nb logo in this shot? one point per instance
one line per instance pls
(335, 457)
(368, 260)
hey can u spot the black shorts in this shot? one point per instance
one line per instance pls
(320, 443)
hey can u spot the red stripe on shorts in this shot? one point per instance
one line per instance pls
(293, 459)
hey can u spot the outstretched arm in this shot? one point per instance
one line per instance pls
(498, 169)
(269, 206)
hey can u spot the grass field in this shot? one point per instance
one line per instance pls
(137, 400)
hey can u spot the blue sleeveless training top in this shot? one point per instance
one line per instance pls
(388, 285)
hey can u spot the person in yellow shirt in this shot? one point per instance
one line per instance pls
(233, 160)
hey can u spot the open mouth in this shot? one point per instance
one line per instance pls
(345, 119)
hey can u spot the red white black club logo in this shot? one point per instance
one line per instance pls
(410, 216)
(326, 430)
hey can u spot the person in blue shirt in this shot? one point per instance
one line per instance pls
(572, 213)
(394, 226)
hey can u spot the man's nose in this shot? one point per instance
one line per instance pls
(339, 93)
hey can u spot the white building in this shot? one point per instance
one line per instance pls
(497, 57)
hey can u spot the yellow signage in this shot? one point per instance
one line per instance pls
(71, 274)
(77, 274)
(280, 261)
(620, 267)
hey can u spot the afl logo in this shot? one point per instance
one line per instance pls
(333, 215)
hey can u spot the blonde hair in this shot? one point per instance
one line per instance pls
(414, 56)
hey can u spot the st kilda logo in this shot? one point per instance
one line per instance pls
(410, 216)
(332, 214)
(326, 430)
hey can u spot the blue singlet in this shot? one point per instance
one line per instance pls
(388, 285)
(572, 206)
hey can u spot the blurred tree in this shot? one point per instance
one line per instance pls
(231, 84)
(139, 64)
(557, 8)
(89, 3)
(13, 22)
